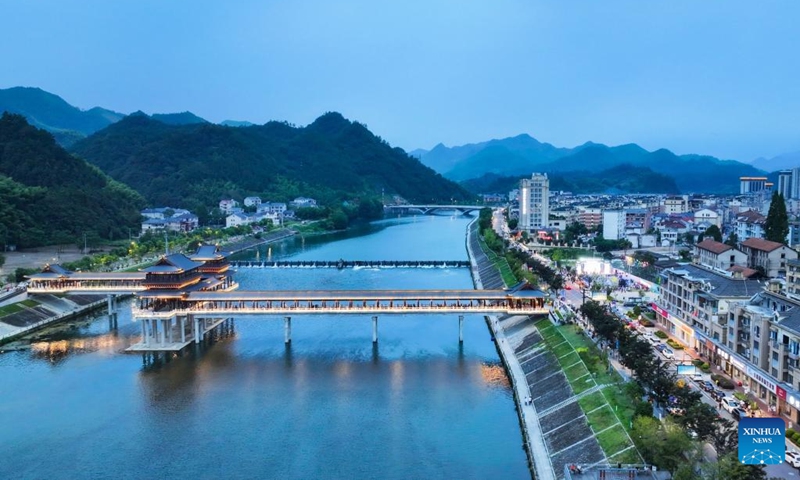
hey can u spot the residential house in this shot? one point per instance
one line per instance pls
(750, 224)
(228, 205)
(183, 222)
(718, 255)
(252, 201)
(303, 202)
(707, 215)
(769, 257)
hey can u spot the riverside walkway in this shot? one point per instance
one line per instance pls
(535, 445)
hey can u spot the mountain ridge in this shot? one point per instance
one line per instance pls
(523, 154)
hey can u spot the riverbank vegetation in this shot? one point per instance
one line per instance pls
(514, 265)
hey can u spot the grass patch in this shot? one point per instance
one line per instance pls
(30, 303)
(499, 262)
(621, 403)
(591, 402)
(613, 440)
(601, 419)
(576, 372)
(9, 309)
(628, 456)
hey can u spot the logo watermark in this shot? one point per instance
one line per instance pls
(762, 441)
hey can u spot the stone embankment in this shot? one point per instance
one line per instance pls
(555, 429)
(29, 316)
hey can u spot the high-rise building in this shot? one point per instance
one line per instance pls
(613, 224)
(752, 184)
(785, 184)
(534, 202)
(795, 187)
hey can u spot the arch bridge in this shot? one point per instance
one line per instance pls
(430, 209)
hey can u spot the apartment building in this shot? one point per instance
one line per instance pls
(534, 202)
(614, 224)
(590, 217)
(770, 257)
(750, 224)
(763, 349)
(694, 303)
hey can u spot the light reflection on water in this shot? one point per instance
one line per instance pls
(332, 405)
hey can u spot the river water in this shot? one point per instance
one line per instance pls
(331, 406)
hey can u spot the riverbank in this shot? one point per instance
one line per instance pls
(29, 316)
(535, 447)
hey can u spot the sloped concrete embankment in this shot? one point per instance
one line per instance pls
(554, 427)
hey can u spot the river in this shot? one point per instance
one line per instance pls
(330, 406)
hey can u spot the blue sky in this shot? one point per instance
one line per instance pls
(711, 76)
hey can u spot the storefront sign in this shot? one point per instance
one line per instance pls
(659, 310)
(781, 393)
(762, 379)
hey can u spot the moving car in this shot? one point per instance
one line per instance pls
(792, 458)
(668, 354)
(706, 385)
(729, 404)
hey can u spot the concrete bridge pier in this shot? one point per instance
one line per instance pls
(461, 329)
(111, 301)
(198, 332)
(287, 330)
(375, 329)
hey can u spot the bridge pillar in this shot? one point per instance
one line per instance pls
(111, 307)
(198, 334)
(461, 329)
(183, 329)
(375, 329)
(145, 337)
(168, 326)
(287, 330)
(162, 332)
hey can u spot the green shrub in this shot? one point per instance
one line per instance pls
(723, 382)
(697, 362)
(705, 367)
(661, 334)
(790, 432)
(672, 343)
(796, 437)
(643, 409)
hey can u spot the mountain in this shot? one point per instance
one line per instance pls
(522, 155)
(183, 118)
(48, 196)
(50, 112)
(236, 123)
(785, 161)
(618, 179)
(194, 166)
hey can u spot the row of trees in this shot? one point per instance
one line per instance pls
(669, 444)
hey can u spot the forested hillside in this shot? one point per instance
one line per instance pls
(194, 166)
(48, 196)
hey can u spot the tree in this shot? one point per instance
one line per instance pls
(728, 467)
(732, 240)
(714, 232)
(663, 444)
(776, 227)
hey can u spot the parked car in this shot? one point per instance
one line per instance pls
(668, 354)
(738, 414)
(729, 404)
(706, 385)
(792, 458)
(717, 395)
(660, 347)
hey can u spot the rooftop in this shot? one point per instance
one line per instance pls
(761, 244)
(717, 284)
(713, 246)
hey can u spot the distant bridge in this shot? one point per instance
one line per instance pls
(429, 209)
(341, 264)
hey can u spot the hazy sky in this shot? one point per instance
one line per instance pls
(720, 77)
